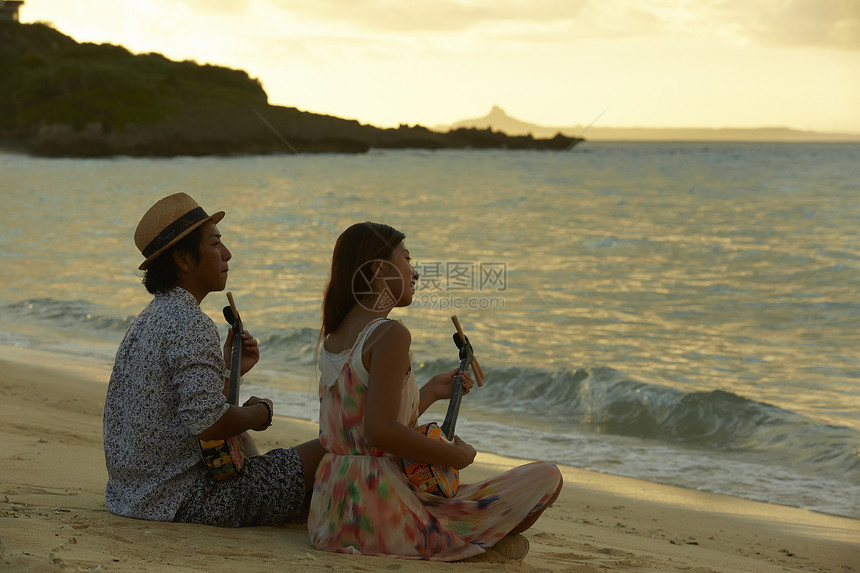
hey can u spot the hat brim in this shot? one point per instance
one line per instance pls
(215, 218)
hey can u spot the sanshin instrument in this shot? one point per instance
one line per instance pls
(226, 458)
(434, 478)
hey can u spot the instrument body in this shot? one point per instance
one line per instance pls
(432, 478)
(225, 459)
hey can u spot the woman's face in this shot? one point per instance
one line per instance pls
(401, 276)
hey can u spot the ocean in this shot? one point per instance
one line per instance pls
(682, 313)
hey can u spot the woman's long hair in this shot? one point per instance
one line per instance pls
(350, 274)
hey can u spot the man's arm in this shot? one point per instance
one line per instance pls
(238, 419)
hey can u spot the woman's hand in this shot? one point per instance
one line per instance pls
(250, 351)
(465, 454)
(442, 385)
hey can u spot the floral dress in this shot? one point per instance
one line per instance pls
(363, 503)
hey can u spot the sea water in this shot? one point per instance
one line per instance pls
(684, 313)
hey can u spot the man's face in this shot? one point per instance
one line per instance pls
(209, 274)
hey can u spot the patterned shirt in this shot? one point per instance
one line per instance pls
(165, 389)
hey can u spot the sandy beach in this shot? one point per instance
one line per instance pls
(53, 517)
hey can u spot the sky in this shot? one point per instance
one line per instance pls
(624, 63)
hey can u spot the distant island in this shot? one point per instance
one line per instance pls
(497, 119)
(62, 98)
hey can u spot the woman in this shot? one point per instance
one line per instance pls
(369, 405)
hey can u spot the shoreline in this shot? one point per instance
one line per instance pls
(52, 514)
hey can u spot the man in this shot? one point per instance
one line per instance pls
(166, 393)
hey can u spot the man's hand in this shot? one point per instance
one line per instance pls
(267, 421)
(250, 351)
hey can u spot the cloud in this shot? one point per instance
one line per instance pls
(824, 23)
(431, 15)
(789, 23)
(215, 6)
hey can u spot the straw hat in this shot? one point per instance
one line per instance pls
(167, 222)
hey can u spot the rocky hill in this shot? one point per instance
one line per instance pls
(497, 119)
(62, 98)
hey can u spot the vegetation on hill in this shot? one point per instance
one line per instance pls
(64, 98)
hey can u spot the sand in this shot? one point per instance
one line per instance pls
(53, 517)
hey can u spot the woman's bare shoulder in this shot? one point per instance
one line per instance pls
(389, 333)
